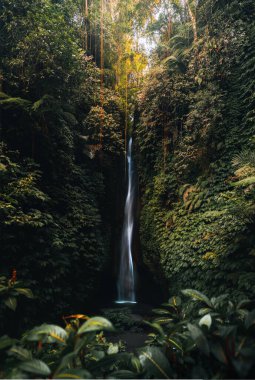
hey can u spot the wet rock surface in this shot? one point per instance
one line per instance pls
(129, 323)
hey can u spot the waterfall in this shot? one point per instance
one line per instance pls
(126, 279)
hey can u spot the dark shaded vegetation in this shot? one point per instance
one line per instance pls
(74, 83)
(53, 196)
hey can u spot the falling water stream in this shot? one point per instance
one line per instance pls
(126, 279)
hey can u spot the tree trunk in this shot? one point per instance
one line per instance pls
(193, 20)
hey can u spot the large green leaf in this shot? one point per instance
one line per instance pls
(80, 342)
(20, 353)
(136, 364)
(11, 302)
(25, 291)
(199, 338)
(197, 296)
(122, 374)
(5, 342)
(175, 343)
(154, 363)
(161, 311)
(36, 367)
(47, 334)
(66, 361)
(96, 324)
(73, 374)
(162, 320)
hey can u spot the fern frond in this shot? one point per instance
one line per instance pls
(246, 157)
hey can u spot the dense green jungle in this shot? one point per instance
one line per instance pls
(127, 189)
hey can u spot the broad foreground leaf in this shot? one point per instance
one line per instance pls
(73, 374)
(20, 353)
(25, 291)
(47, 334)
(36, 367)
(154, 363)
(11, 302)
(96, 324)
(199, 338)
(197, 296)
(122, 374)
(6, 341)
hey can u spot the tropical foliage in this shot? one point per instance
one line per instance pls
(195, 141)
(77, 77)
(204, 338)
